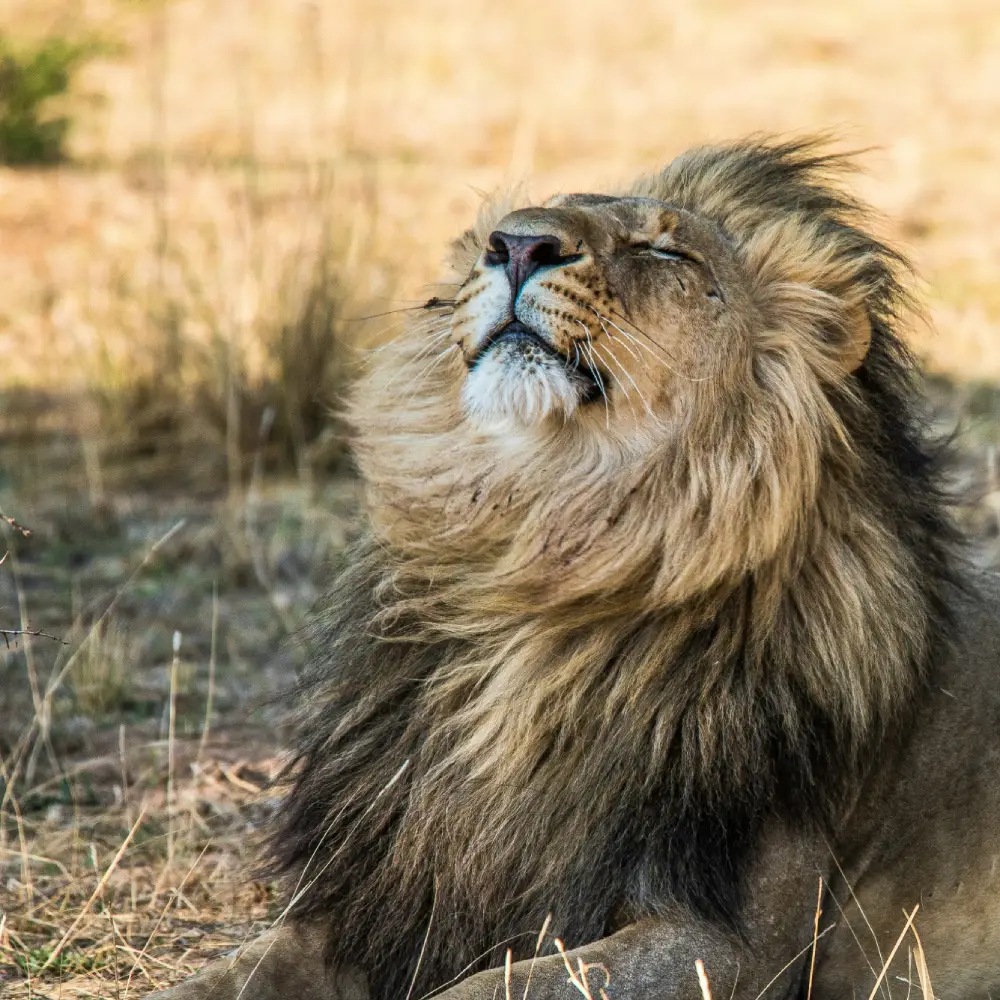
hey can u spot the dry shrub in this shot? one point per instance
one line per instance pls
(230, 340)
(102, 676)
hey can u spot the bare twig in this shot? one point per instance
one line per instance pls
(792, 961)
(538, 948)
(923, 974)
(211, 673)
(706, 989)
(171, 732)
(892, 954)
(137, 963)
(14, 633)
(19, 528)
(579, 977)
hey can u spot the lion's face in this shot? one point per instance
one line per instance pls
(596, 308)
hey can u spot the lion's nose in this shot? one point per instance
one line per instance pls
(521, 256)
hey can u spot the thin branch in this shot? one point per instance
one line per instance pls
(13, 633)
(20, 528)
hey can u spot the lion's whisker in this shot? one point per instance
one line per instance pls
(592, 365)
(410, 330)
(423, 373)
(666, 364)
(410, 322)
(638, 343)
(370, 352)
(427, 369)
(422, 353)
(586, 332)
(638, 357)
(618, 340)
(431, 304)
(432, 342)
(635, 417)
(614, 358)
(611, 336)
(688, 378)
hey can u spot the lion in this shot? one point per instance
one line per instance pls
(660, 627)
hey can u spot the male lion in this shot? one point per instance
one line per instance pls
(660, 620)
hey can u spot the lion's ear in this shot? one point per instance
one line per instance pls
(858, 327)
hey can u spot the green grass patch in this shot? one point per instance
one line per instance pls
(35, 81)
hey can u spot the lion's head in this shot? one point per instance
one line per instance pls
(596, 308)
(590, 307)
(644, 397)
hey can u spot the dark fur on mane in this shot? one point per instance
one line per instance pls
(622, 813)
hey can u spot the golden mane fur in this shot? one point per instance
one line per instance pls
(661, 620)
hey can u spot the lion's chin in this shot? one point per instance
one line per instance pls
(504, 390)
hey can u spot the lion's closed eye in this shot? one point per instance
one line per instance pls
(663, 253)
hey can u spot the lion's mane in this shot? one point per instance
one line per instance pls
(561, 681)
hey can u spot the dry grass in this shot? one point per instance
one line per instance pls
(103, 674)
(154, 719)
(176, 310)
(82, 918)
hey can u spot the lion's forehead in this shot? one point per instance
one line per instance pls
(596, 213)
(625, 206)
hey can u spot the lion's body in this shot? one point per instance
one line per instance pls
(928, 830)
(639, 657)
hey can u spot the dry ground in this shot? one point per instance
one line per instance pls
(180, 618)
(248, 176)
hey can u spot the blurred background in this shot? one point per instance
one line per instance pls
(200, 203)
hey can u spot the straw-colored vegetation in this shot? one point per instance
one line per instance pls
(246, 179)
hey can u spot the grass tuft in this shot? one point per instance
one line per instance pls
(102, 676)
(234, 370)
